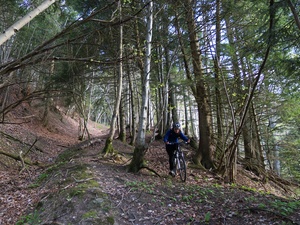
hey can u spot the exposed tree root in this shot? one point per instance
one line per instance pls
(151, 170)
(23, 161)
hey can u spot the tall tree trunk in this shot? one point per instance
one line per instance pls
(172, 106)
(132, 107)
(161, 98)
(206, 143)
(230, 169)
(108, 145)
(122, 132)
(188, 75)
(140, 146)
(272, 147)
(47, 99)
(220, 141)
(231, 149)
(253, 149)
(186, 113)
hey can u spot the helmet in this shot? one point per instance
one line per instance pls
(176, 125)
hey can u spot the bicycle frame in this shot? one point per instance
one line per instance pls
(179, 162)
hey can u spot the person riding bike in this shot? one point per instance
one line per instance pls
(170, 138)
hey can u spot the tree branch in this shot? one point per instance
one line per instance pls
(292, 7)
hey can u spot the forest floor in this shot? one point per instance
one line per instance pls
(77, 185)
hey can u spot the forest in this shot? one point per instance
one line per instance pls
(227, 70)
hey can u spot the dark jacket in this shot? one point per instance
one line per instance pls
(172, 137)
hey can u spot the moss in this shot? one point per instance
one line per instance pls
(90, 214)
(67, 155)
(79, 172)
(110, 220)
(89, 184)
(108, 149)
(42, 177)
(137, 161)
(75, 192)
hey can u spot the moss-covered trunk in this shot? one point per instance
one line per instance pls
(108, 149)
(137, 161)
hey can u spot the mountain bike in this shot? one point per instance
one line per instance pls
(179, 161)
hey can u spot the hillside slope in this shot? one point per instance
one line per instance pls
(88, 189)
(24, 131)
(78, 186)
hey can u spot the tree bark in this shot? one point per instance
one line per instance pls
(217, 68)
(108, 145)
(140, 146)
(122, 133)
(253, 150)
(206, 143)
(132, 107)
(26, 19)
(18, 158)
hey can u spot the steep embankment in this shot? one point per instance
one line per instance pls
(24, 133)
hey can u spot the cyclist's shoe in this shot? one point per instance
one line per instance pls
(172, 173)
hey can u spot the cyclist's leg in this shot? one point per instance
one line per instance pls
(170, 151)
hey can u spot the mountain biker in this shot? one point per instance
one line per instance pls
(170, 137)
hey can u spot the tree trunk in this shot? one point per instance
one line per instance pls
(230, 154)
(140, 146)
(160, 94)
(189, 77)
(206, 144)
(172, 106)
(220, 141)
(253, 150)
(122, 133)
(108, 145)
(186, 113)
(132, 107)
(231, 149)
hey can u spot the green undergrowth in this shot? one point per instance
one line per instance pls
(141, 186)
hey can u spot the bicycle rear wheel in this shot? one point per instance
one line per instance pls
(181, 167)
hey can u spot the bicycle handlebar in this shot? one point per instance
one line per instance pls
(179, 143)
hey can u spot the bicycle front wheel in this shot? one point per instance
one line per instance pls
(182, 169)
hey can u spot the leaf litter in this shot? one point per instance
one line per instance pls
(110, 195)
